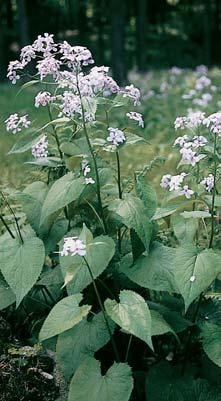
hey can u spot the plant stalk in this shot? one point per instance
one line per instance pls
(55, 133)
(93, 158)
(213, 194)
(15, 218)
(6, 226)
(103, 311)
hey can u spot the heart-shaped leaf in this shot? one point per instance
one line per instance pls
(131, 314)
(89, 384)
(65, 314)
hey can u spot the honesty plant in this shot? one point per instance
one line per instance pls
(125, 282)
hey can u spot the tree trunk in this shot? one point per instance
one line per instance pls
(23, 23)
(117, 11)
(141, 30)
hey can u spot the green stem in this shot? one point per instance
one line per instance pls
(55, 133)
(118, 175)
(128, 348)
(103, 311)
(15, 218)
(93, 157)
(6, 226)
(213, 194)
(120, 195)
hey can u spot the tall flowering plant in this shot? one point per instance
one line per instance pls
(129, 299)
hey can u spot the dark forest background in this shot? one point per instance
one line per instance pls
(124, 34)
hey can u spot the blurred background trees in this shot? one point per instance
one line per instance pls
(125, 34)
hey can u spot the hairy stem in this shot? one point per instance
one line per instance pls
(103, 311)
(213, 194)
(93, 157)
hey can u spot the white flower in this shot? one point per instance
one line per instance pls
(202, 82)
(202, 69)
(180, 123)
(175, 70)
(44, 44)
(133, 93)
(181, 140)
(191, 121)
(27, 54)
(213, 122)
(13, 68)
(208, 182)
(136, 117)
(89, 180)
(176, 181)
(14, 123)
(42, 99)
(73, 246)
(116, 136)
(165, 181)
(48, 66)
(192, 279)
(189, 156)
(86, 170)
(40, 149)
(70, 104)
(199, 141)
(75, 56)
(187, 192)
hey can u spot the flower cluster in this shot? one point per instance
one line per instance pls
(14, 123)
(73, 246)
(208, 182)
(191, 121)
(133, 93)
(40, 149)
(213, 122)
(189, 147)
(116, 136)
(132, 115)
(43, 99)
(48, 66)
(174, 183)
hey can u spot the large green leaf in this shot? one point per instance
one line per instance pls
(7, 297)
(88, 384)
(82, 340)
(21, 263)
(32, 199)
(99, 252)
(212, 341)
(64, 191)
(153, 271)
(168, 210)
(65, 314)
(55, 234)
(195, 271)
(131, 314)
(184, 229)
(148, 195)
(132, 213)
(25, 141)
